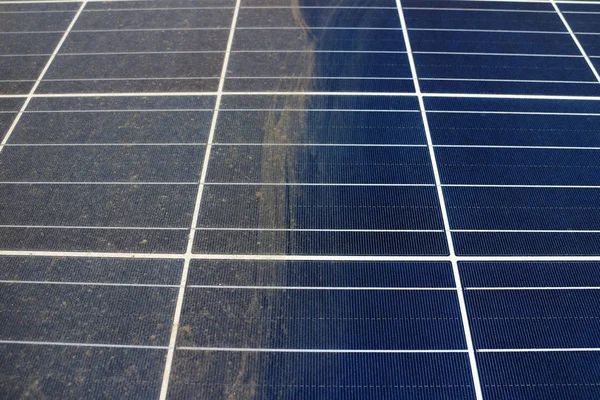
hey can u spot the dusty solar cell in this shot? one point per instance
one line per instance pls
(320, 274)
(126, 164)
(336, 243)
(76, 372)
(319, 376)
(320, 164)
(87, 314)
(91, 270)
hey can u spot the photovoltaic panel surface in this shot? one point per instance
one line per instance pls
(311, 199)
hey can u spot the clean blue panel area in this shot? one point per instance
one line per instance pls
(529, 208)
(514, 129)
(266, 376)
(319, 164)
(320, 207)
(336, 243)
(516, 105)
(320, 39)
(493, 42)
(506, 129)
(511, 86)
(321, 273)
(321, 319)
(308, 18)
(591, 44)
(495, 20)
(585, 23)
(526, 243)
(503, 67)
(529, 274)
(526, 319)
(540, 376)
(482, 5)
(497, 166)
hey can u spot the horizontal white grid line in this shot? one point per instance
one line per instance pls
(512, 113)
(127, 183)
(308, 93)
(485, 30)
(330, 184)
(159, 228)
(546, 350)
(36, 11)
(215, 144)
(218, 28)
(497, 54)
(119, 111)
(150, 285)
(236, 229)
(524, 231)
(536, 288)
(267, 350)
(89, 254)
(478, 9)
(126, 1)
(104, 345)
(105, 53)
(222, 184)
(507, 80)
(153, 78)
(317, 230)
(580, 12)
(376, 288)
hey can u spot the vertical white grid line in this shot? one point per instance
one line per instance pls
(579, 46)
(190, 245)
(453, 258)
(39, 79)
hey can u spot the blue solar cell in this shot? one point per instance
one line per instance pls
(526, 243)
(473, 19)
(528, 319)
(584, 22)
(525, 208)
(540, 376)
(514, 130)
(530, 274)
(514, 105)
(483, 5)
(495, 166)
(321, 376)
(493, 42)
(540, 68)
(450, 85)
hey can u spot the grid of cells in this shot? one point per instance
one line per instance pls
(299, 199)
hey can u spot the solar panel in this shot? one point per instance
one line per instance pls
(299, 199)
